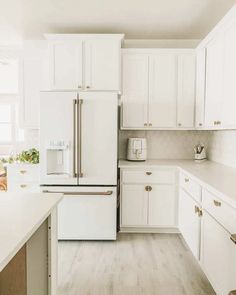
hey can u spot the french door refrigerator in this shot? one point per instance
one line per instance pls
(78, 156)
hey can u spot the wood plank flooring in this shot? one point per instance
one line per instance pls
(150, 264)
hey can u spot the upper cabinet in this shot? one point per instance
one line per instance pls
(85, 62)
(158, 89)
(216, 71)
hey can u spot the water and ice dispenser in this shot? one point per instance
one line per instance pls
(57, 154)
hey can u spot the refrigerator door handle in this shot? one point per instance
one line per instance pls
(79, 135)
(106, 193)
(75, 174)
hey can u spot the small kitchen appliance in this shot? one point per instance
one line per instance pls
(199, 153)
(137, 149)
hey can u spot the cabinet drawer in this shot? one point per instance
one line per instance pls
(23, 187)
(149, 176)
(222, 212)
(192, 187)
(29, 173)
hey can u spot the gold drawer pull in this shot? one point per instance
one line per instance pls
(186, 180)
(149, 173)
(196, 209)
(217, 203)
(233, 238)
(23, 171)
(23, 185)
(148, 188)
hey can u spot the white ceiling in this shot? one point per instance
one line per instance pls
(138, 19)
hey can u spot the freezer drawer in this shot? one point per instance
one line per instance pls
(86, 213)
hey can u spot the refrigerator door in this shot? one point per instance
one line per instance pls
(58, 143)
(86, 213)
(98, 138)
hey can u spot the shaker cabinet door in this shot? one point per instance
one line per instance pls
(66, 65)
(102, 65)
(135, 91)
(189, 222)
(186, 90)
(134, 204)
(162, 90)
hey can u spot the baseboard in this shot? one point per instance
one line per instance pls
(159, 230)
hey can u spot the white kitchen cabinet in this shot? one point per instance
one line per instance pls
(200, 87)
(33, 79)
(190, 221)
(134, 205)
(162, 206)
(214, 82)
(135, 90)
(158, 89)
(162, 90)
(148, 199)
(66, 64)
(229, 90)
(218, 256)
(85, 62)
(186, 90)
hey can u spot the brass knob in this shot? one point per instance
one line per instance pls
(23, 185)
(148, 188)
(79, 86)
(200, 124)
(196, 209)
(218, 122)
(179, 124)
(87, 87)
(150, 124)
(217, 203)
(200, 212)
(148, 173)
(23, 171)
(145, 124)
(215, 122)
(233, 238)
(186, 180)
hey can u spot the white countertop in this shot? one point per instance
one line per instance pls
(220, 179)
(20, 216)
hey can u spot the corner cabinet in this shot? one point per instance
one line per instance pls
(158, 89)
(85, 62)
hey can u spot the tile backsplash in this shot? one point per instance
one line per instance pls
(222, 147)
(165, 144)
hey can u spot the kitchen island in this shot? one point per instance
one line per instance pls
(28, 243)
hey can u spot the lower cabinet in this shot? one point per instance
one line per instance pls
(218, 256)
(151, 205)
(190, 222)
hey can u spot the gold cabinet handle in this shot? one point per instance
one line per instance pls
(148, 188)
(200, 212)
(79, 86)
(23, 185)
(233, 238)
(200, 124)
(217, 203)
(88, 87)
(233, 292)
(150, 124)
(186, 180)
(179, 124)
(196, 209)
(148, 173)
(23, 171)
(145, 124)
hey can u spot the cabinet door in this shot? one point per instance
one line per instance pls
(218, 256)
(189, 222)
(66, 65)
(200, 88)
(214, 82)
(102, 65)
(162, 90)
(229, 97)
(186, 90)
(134, 201)
(135, 90)
(162, 205)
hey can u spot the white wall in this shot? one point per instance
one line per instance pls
(166, 144)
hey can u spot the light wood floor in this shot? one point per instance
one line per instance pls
(150, 264)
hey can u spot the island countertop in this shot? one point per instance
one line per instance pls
(20, 216)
